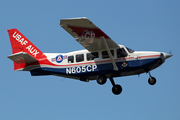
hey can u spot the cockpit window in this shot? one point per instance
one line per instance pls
(129, 50)
(121, 53)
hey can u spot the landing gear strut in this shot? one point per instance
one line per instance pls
(151, 80)
(116, 89)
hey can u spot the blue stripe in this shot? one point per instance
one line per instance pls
(132, 68)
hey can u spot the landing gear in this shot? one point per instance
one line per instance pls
(116, 89)
(151, 80)
(101, 79)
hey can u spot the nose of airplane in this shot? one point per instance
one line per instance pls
(167, 55)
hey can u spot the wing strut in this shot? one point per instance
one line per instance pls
(109, 53)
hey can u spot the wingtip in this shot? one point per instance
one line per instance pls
(74, 18)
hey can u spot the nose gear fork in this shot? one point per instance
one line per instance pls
(116, 89)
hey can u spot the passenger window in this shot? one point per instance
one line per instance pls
(92, 56)
(70, 59)
(121, 53)
(79, 57)
(105, 54)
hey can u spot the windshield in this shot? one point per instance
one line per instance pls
(129, 50)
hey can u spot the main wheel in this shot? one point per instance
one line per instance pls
(101, 79)
(117, 89)
(152, 80)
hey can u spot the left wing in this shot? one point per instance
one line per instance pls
(87, 34)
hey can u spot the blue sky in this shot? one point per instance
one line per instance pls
(152, 25)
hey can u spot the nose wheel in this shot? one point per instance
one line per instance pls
(116, 89)
(151, 80)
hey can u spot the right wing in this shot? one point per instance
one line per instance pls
(87, 34)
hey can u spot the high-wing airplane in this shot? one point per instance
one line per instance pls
(102, 59)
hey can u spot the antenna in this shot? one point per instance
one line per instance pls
(170, 52)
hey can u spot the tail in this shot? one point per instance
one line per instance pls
(24, 52)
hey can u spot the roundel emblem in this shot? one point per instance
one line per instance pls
(59, 58)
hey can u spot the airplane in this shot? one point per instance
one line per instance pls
(101, 59)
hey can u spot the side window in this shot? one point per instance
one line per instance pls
(105, 54)
(92, 56)
(79, 57)
(70, 59)
(121, 53)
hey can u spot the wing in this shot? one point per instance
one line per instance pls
(87, 34)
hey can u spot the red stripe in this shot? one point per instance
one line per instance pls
(149, 56)
(102, 61)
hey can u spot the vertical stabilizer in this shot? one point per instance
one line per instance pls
(22, 49)
(20, 43)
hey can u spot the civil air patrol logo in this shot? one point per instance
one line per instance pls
(59, 58)
(124, 64)
(88, 34)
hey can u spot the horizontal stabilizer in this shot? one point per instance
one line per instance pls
(22, 58)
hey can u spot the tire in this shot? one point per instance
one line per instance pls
(101, 79)
(117, 89)
(152, 81)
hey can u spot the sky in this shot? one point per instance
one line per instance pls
(142, 25)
